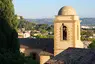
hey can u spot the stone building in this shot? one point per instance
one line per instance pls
(66, 30)
(66, 45)
(41, 49)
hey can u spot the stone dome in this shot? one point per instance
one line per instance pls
(67, 10)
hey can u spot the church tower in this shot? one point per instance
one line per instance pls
(66, 30)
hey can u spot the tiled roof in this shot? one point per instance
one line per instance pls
(75, 56)
(22, 46)
(44, 53)
(44, 43)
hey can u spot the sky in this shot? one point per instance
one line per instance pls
(49, 8)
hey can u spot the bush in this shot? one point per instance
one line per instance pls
(92, 45)
(10, 57)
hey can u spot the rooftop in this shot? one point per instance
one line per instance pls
(75, 56)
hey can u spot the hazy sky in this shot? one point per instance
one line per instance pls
(50, 8)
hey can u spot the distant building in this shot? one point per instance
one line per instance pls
(85, 27)
(88, 27)
(94, 34)
(24, 34)
(19, 17)
(40, 48)
(20, 35)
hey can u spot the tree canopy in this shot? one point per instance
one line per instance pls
(92, 45)
(8, 34)
(9, 45)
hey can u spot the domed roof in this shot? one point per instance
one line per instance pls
(67, 10)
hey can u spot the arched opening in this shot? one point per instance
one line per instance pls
(64, 31)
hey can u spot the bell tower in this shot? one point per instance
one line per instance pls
(66, 30)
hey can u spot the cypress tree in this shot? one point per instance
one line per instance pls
(8, 24)
(9, 45)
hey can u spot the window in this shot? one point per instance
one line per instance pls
(64, 31)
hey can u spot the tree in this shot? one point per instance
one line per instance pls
(15, 22)
(25, 24)
(9, 45)
(7, 12)
(92, 45)
(29, 60)
(8, 35)
(86, 34)
(50, 28)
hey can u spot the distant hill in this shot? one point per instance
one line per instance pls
(88, 21)
(42, 21)
(85, 21)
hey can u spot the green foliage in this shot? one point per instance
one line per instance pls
(40, 36)
(92, 45)
(15, 58)
(9, 45)
(15, 44)
(44, 36)
(42, 28)
(43, 31)
(33, 26)
(85, 34)
(15, 22)
(25, 24)
(8, 35)
(29, 60)
(50, 36)
(50, 28)
(7, 12)
(8, 57)
(83, 38)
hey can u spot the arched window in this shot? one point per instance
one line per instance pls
(64, 30)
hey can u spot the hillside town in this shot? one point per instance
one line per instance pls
(57, 35)
(47, 31)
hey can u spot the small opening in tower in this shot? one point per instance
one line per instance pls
(64, 29)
